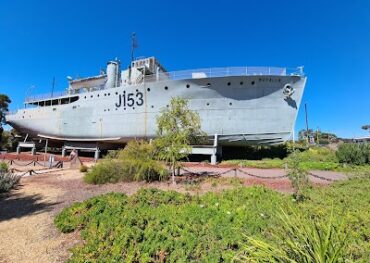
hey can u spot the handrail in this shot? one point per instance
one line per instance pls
(186, 74)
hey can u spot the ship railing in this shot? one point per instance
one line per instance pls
(54, 95)
(223, 72)
(182, 75)
(46, 96)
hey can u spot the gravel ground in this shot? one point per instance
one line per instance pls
(27, 232)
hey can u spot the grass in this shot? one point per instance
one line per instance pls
(159, 226)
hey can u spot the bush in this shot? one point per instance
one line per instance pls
(4, 167)
(318, 154)
(83, 168)
(8, 180)
(157, 226)
(134, 163)
(297, 175)
(353, 153)
(299, 239)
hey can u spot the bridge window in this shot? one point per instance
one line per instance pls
(54, 102)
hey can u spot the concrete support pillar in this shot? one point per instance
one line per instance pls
(213, 159)
(18, 149)
(215, 145)
(63, 152)
(97, 153)
(33, 151)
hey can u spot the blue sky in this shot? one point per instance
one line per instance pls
(43, 39)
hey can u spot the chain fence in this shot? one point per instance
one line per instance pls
(239, 170)
(187, 172)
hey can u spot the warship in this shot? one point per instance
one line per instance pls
(236, 105)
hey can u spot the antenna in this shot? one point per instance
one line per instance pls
(133, 46)
(305, 110)
(52, 87)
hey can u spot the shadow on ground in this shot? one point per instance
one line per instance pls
(17, 205)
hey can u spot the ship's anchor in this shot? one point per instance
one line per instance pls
(288, 90)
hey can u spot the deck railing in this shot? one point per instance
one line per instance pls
(183, 75)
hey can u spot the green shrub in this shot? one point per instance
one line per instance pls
(299, 239)
(297, 175)
(134, 163)
(158, 226)
(318, 154)
(3, 167)
(83, 168)
(8, 180)
(353, 153)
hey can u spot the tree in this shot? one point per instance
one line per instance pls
(297, 175)
(366, 127)
(4, 104)
(177, 126)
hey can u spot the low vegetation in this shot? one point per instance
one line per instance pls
(297, 175)
(354, 153)
(8, 180)
(319, 158)
(83, 168)
(156, 226)
(136, 162)
(299, 240)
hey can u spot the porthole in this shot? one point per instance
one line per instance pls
(137, 90)
(187, 86)
(91, 96)
(116, 93)
(167, 106)
(108, 94)
(166, 88)
(252, 82)
(98, 95)
(85, 97)
(208, 84)
(148, 89)
(241, 82)
(229, 83)
(207, 103)
(124, 108)
(133, 108)
(230, 103)
(105, 94)
(152, 106)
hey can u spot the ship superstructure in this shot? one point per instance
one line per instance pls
(242, 105)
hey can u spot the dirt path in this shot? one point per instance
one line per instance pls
(27, 232)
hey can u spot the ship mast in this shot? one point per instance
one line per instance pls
(133, 46)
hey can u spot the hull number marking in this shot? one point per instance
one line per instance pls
(130, 99)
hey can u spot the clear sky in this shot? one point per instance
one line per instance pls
(43, 39)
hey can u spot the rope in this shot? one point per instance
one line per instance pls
(19, 164)
(322, 178)
(262, 177)
(208, 173)
(250, 174)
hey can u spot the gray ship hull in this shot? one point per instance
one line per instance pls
(245, 109)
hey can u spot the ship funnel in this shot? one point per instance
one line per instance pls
(113, 74)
